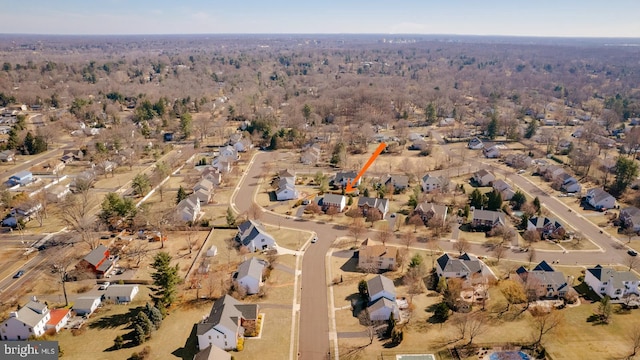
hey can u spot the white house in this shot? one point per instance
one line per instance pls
(475, 144)
(343, 177)
(203, 191)
(30, 320)
(223, 163)
(249, 274)
(86, 305)
(616, 284)
(505, 190)
(491, 152)
(600, 199)
(466, 267)
(189, 208)
(229, 151)
(121, 293)
(433, 183)
(382, 299)
(58, 319)
(253, 235)
(337, 201)
(630, 216)
(379, 257)
(57, 193)
(287, 186)
(224, 325)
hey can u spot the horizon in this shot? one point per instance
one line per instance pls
(544, 18)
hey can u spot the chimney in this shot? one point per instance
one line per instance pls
(33, 298)
(13, 314)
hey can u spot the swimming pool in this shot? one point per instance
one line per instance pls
(509, 355)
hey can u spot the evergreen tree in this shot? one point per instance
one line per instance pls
(537, 205)
(143, 321)
(626, 172)
(477, 199)
(430, 114)
(154, 315)
(517, 200)
(185, 125)
(182, 194)
(363, 289)
(531, 129)
(118, 342)
(492, 128)
(165, 278)
(141, 184)
(139, 336)
(28, 143)
(231, 218)
(494, 200)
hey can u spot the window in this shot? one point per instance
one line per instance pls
(209, 337)
(30, 330)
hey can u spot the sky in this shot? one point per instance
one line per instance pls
(558, 18)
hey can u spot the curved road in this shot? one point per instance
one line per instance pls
(314, 335)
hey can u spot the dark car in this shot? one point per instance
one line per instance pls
(18, 274)
(632, 253)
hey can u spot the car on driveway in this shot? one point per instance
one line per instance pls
(104, 285)
(18, 274)
(632, 253)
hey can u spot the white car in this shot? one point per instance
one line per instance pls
(104, 285)
(315, 239)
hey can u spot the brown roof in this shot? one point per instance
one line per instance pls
(378, 251)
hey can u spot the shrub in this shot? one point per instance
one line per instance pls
(240, 346)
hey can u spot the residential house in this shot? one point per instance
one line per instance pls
(57, 193)
(99, 261)
(399, 182)
(30, 320)
(226, 323)
(466, 267)
(86, 305)
(543, 281)
(27, 209)
(382, 299)
(569, 184)
(475, 144)
(252, 234)
(212, 174)
(434, 183)
(367, 204)
(287, 186)
(223, 163)
(243, 145)
(518, 161)
(615, 284)
(487, 218)
(5, 130)
(550, 172)
(249, 275)
(333, 200)
(342, 178)
(7, 155)
(427, 211)
(58, 319)
(379, 257)
(189, 208)
(121, 294)
(21, 178)
(203, 191)
(548, 228)
(491, 152)
(600, 199)
(105, 167)
(212, 352)
(230, 152)
(630, 217)
(72, 155)
(505, 190)
(420, 144)
(483, 177)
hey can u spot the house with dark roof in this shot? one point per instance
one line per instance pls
(466, 267)
(30, 320)
(382, 299)
(226, 323)
(546, 227)
(475, 144)
(343, 177)
(543, 281)
(630, 217)
(249, 275)
(252, 234)
(367, 204)
(86, 305)
(98, 261)
(379, 257)
(427, 211)
(600, 199)
(615, 284)
(487, 218)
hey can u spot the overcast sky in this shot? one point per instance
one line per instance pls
(584, 18)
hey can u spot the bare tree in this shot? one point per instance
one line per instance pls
(498, 252)
(633, 337)
(385, 234)
(544, 322)
(254, 212)
(462, 246)
(356, 229)
(61, 267)
(531, 255)
(631, 262)
(408, 238)
(137, 251)
(74, 213)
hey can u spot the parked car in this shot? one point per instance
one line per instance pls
(305, 202)
(632, 253)
(315, 239)
(104, 285)
(18, 274)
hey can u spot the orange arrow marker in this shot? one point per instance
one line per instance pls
(379, 150)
